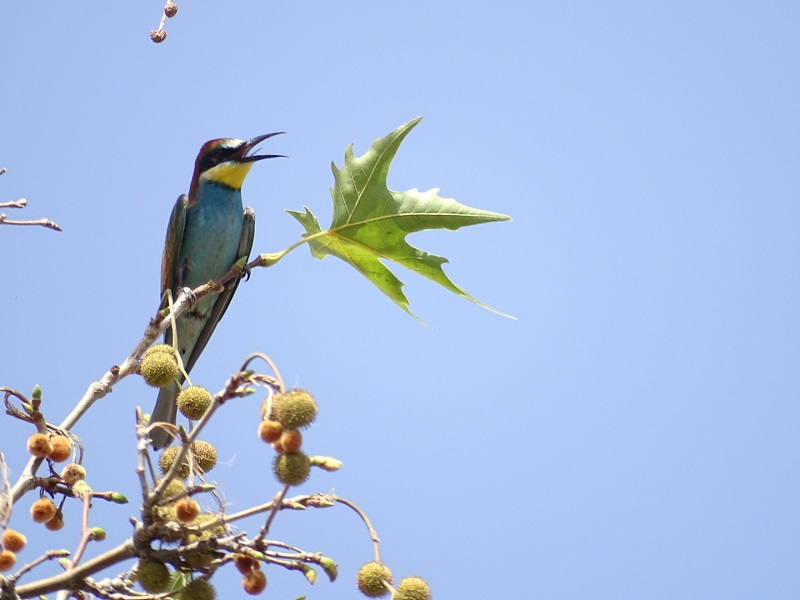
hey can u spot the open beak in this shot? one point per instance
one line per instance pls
(242, 153)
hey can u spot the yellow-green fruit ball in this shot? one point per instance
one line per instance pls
(166, 460)
(193, 402)
(159, 369)
(174, 487)
(292, 468)
(205, 455)
(372, 579)
(413, 588)
(153, 576)
(294, 409)
(199, 589)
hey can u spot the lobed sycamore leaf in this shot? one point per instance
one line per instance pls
(370, 221)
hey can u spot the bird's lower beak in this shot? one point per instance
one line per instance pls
(252, 143)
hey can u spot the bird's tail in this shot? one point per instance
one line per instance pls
(165, 410)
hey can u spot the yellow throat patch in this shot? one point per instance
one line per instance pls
(231, 174)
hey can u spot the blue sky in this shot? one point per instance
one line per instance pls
(633, 434)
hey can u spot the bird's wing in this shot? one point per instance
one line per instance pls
(224, 298)
(172, 245)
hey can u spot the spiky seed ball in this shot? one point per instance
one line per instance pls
(166, 460)
(7, 560)
(206, 456)
(186, 510)
(159, 368)
(61, 448)
(198, 589)
(153, 576)
(245, 563)
(371, 580)
(56, 523)
(254, 582)
(295, 409)
(206, 534)
(161, 348)
(174, 487)
(39, 445)
(171, 9)
(412, 588)
(198, 560)
(193, 402)
(73, 473)
(291, 440)
(292, 468)
(13, 540)
(158, 35)
(43, 510)
(270, 431)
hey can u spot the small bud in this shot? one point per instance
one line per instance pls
(311, 574)
(13, 540)
(328, 463)
(373, 578)
(412, 588)
(43, 510)
(73, 473)
(36, 395)
(7, 560)
(158, 35)
(331, 568)
(171, 9)
(118, 498)
(254, 582)
(98, 533)
(61, 448)
(39, 445)
(270, 431)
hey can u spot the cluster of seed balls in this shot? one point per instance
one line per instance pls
(375, 579)
(286, 414)
(56, 448)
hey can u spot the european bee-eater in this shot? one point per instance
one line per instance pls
(208, 232)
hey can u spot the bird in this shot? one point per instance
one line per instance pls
(208, 231)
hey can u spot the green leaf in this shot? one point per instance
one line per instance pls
(371, 222)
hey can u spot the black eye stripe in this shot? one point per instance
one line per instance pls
(216, 156)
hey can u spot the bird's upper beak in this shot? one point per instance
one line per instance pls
(242, 151)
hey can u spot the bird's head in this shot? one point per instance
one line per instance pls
(227, 161)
